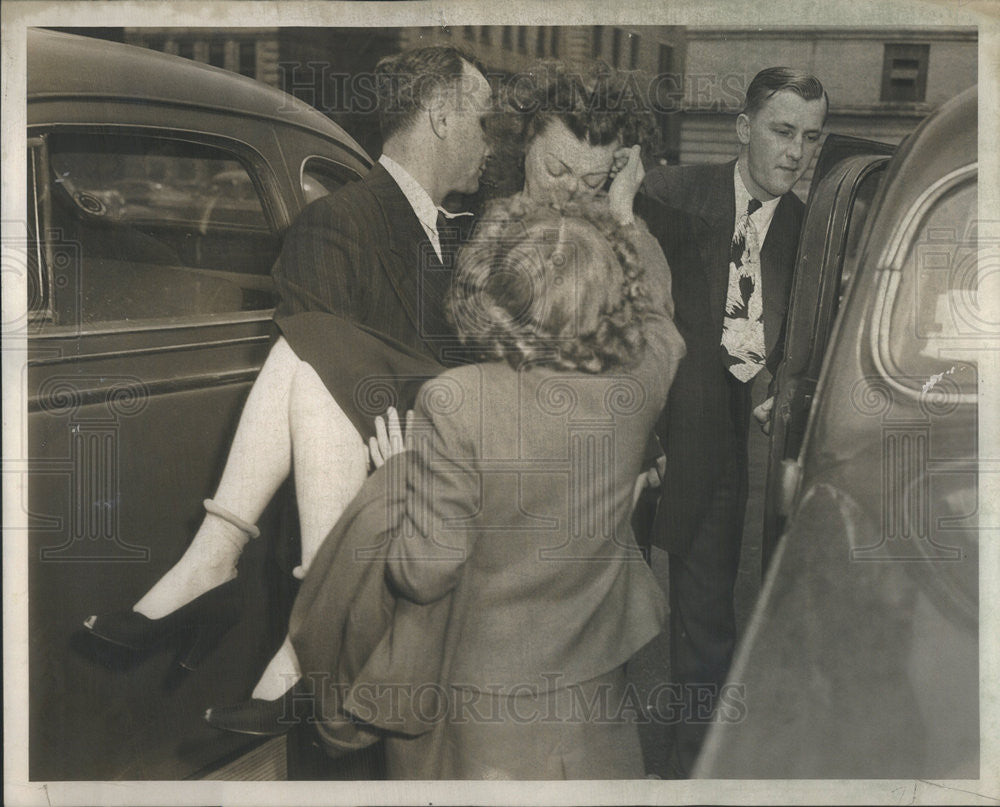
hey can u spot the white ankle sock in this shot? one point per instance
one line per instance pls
(210, 561)
(280, 675)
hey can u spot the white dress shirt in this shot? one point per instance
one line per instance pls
(761, 218)
(424, 208)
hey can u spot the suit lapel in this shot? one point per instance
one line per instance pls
(714, 202)
(408, 253)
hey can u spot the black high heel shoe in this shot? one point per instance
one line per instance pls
(201, 623)
(263, 718)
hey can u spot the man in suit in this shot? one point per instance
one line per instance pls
(378, 252)
(372, 250)
(730, 233)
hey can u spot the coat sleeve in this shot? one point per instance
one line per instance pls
(654, 262)
(321, 261)
(442, 492)
(663, 339)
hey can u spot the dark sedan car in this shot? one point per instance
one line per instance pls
(158, 192)
(861, 659)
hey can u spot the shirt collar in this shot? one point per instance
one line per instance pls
(762, 217)
(414, 192)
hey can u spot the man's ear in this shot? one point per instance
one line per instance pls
(437, 112)
(743, 129)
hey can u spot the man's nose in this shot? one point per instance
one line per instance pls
(795, 148)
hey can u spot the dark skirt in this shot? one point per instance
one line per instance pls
(365, 371)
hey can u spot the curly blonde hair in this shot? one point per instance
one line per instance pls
(561, 287)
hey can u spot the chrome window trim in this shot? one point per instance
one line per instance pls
(164, 324)
(38, 156)
(150, 350)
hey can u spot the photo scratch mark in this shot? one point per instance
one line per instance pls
(934, 379)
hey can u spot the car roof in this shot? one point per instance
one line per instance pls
(945, 141)
(61, 64)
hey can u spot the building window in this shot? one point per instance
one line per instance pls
(904, 73)
(522, 39)
(540, 41)
(633, 52)
(596, 41)
(469, 32)
(248, 58)
(554, 43)
(666, 60)
(507, 38)
(616, 47)
(185, 48)
(156, 42)
(486, 35)
(217, 53)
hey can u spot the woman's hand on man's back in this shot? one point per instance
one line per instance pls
(390, 437)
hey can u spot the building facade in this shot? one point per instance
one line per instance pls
(881, 82)
(649, 51)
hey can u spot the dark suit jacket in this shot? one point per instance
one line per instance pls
(691, 211)
(361, 253)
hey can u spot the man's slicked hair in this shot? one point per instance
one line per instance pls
(407, 82)
(775, 79)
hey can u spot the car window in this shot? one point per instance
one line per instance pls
(160, 227)
(321, 177)
(936, 311)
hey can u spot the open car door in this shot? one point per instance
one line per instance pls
(847, 176)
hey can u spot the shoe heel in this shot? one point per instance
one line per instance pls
(203, 641)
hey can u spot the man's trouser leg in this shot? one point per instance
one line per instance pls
(702, 581)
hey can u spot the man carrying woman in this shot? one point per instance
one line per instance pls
(477, 602)
(362, 254)
(369, 255)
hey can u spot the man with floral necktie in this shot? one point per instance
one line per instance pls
(730, 233)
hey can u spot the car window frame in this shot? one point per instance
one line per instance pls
(891, 265)
(40, 205)
(350, 174)
(261, 173)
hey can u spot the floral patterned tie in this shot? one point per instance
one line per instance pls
(743, 325)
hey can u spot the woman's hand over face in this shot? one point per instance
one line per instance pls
(628, 174)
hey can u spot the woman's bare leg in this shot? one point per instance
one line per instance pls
(331, 463)
(259, 461)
